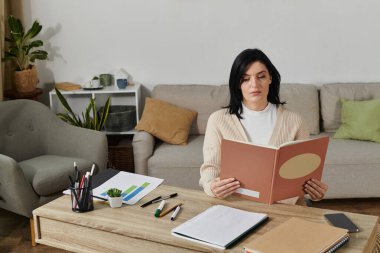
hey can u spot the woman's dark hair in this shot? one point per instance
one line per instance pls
(239, 68)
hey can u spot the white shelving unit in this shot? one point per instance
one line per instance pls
(79, 99)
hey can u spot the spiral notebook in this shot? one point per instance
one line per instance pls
(299, 236)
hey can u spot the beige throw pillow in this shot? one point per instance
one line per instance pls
(165, 121)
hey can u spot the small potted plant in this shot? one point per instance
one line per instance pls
(114, 197)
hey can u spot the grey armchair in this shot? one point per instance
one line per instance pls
(37, 151)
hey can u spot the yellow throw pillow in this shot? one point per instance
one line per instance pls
(166, 121)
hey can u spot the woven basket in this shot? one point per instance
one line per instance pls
(120, 156)
(120, 118)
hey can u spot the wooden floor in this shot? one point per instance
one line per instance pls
(15, 233)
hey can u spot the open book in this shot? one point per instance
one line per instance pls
(268, 174)
(298, 236)
(219, 226)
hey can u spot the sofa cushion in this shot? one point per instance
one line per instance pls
(360, 120)
(302, 98)
(352, 168)
(331, 95)
(178, 165)
(204, 99)
(49, 174)
(167, 122)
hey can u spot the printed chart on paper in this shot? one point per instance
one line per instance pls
(134, 186)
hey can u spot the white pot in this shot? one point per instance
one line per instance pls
(115, 202)
(95, 83)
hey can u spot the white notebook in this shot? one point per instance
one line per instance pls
(219, 226)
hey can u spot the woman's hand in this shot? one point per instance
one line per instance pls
(225, 187)
(316, 189)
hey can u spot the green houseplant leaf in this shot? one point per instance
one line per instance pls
(20, 44)
(86, 121)
(114, 192)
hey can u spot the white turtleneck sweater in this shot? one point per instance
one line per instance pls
(259, 125)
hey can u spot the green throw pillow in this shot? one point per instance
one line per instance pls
(360, 120)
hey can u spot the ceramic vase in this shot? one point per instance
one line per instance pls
(115, 201)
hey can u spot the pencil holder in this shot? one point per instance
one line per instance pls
(81, 199)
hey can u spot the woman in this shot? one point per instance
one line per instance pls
(254, 114)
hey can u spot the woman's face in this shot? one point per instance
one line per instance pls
(255, 86)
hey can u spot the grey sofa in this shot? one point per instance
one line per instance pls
(352, 168)
(37, 151)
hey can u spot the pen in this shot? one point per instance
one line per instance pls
(99, 198)
(159, 209)
(166, 197)
(77, 172)
(71, 182)
(169, 210)
(174, 215)
(150, 202)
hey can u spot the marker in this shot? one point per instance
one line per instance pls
(150, 202)
(159, 209)
(174, 215)
(166, 197)
(77, 172)
(92, 169)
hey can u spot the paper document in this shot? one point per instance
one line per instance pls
(134, 186)
(219, 226)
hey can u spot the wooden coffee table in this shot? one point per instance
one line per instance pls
(135, 229)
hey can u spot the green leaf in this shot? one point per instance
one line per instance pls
(66, 118)
(94, 114)
(114, 192)
(38, 54)
(9, 54)
(36, 43)
(8, 39)
(33, 31)
(87, 117)
(105, 112)
(67, 107)
(15, 25)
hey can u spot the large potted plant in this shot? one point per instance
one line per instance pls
(20, 50)
(89, 118)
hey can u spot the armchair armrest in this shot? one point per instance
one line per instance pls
(68, 140)
(143, 145)
(16, 193)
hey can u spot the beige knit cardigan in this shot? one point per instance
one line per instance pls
(289, 126)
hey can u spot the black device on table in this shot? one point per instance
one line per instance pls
(342, 221)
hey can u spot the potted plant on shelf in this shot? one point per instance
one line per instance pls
(114, 197)
(96, 122)
(25, 77)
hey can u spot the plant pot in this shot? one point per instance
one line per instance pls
(115, 202)
(25, 80)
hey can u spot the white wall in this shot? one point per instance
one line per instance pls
(196, 41)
